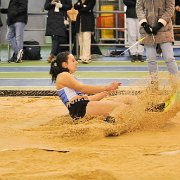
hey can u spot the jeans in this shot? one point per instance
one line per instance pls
(15, 35)
(168, 55)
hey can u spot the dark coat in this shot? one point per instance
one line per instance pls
(1, 24)
(131, 8)
(85, 16)
(177, 3)
(17, 11)
(55, 20)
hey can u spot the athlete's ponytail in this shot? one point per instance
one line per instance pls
(56, 65)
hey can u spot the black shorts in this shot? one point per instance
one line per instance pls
(77, 108)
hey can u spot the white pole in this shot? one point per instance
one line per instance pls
(133, 45)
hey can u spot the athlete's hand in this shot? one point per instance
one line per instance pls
(113, 86)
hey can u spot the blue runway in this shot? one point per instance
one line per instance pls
(47, 81)
(83, 68)
(37, 82)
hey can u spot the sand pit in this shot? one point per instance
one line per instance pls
(38, 140)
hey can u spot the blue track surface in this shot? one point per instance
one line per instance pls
(47, 82)
(89, 68)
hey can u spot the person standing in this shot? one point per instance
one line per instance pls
(1, 24)
(56, 24)
(85, 24)
(17, 17)
(132, 23)
(156, 27)
(177, 9)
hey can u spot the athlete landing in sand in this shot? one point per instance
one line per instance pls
(83, 99)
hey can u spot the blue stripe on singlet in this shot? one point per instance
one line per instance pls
(63, 96)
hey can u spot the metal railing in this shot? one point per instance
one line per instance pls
(117, 40)
(99, 42)
(45, 14)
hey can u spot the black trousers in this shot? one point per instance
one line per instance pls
(55, 49)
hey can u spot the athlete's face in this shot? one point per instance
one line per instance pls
(72, 64)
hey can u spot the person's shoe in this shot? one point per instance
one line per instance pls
(19, 56)
(86, 61)
(79, 60)
(140, 58)
(13, 59)
(110, 119)
(50, 58)
(133, 58)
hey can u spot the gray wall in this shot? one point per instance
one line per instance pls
(34, 22)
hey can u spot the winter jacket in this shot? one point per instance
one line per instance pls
(55, 20)
(152, 12)
(17, 11)
(131, 8)
(85, 16)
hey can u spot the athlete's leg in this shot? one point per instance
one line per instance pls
(104, 107)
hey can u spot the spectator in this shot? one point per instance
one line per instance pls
(17, 17)
(56, 27)
(1, 24)
(156, 27)
(133, 31)
(85, 24)
(177, 10)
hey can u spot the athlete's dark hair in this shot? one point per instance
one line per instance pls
(56, 65)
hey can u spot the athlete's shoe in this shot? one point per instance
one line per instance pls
(19, 56)
(162, 107)
(155, 107)
(170, 101)
(110, 119)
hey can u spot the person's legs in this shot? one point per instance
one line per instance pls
(140, 48)
(55, 49)
(131, 24)
(10, 36)
(15, 36)
(19, 30)
(168, 54)
(80, 39)
(86, 46)
(55, 45)
(152, 62)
